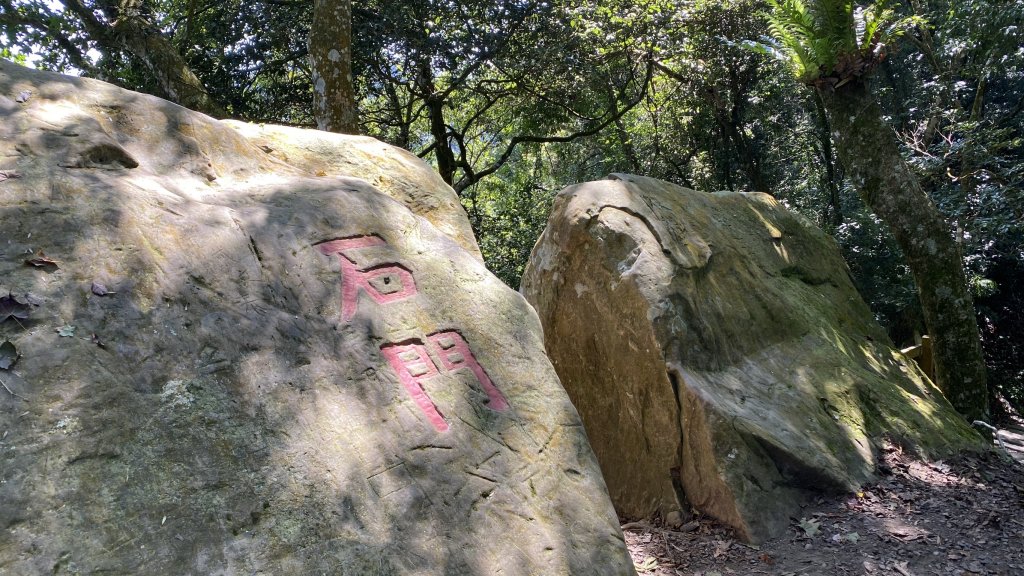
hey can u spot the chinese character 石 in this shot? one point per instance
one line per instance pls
(385, 283)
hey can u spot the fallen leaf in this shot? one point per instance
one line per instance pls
(650, 564)
(96, 340)
(66, 331)
(9, 175)
(906, 533)
(100, 290)
(767, 559)
(8, 355)
(22, 97)
(853, 537)
(721, 547)
(42, 261)
(810, 527)
(10, 307)
(902, 568)
(690, 526)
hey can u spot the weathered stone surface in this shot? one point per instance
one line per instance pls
(717, 350)
(394, 171)
(233, 368)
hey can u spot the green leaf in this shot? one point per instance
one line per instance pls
(66, 331)
(810, 527)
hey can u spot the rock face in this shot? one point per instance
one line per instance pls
(394, 171)
(227, 366)
(718, 352)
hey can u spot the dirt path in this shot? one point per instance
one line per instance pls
(963, 517)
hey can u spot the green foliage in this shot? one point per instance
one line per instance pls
(510, 213)
(16, 57)
(821, 39)
(954, 97)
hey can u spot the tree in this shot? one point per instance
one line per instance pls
(126, 25)
(330, 61)
(831, 46)
(471, 84)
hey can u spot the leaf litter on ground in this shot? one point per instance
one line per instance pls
(963, 516)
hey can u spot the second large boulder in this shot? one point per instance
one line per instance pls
(719, 353)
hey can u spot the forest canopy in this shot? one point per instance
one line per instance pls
(511, 100)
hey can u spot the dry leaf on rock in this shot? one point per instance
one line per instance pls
(42, 261)
(8, 355)
(10, 307)
(101, 290)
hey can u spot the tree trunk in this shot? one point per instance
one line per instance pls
(834, 212)
(620, 130)
(434, 102)
(330, 58)
(129, 29)
(867, 148)
(182, 86)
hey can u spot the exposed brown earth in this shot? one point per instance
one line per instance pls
(961, 517)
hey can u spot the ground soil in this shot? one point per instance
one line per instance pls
(961, 517)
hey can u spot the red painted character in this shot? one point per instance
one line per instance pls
(385, 283)
(413, 364)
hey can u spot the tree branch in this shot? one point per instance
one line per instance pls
(468, 181)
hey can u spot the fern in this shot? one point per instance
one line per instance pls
(822, 39)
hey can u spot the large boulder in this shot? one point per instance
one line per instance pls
(394, 171)
(719, 354)
(224, 365)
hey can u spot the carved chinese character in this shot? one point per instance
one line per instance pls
(413, 364)
(454, 353)
(385, 283)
